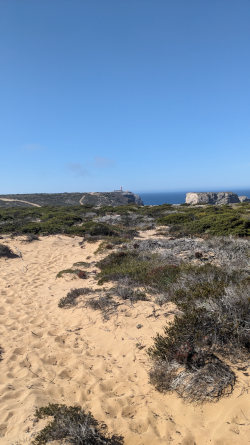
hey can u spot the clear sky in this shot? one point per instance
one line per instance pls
(148, 94)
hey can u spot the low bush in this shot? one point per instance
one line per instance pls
(128, 293)
(81, 264)
(117, 221)
(111, 243)
(207, 383)
(227, 252)
(201, 283)
(100, 229)
(148, 271)
(184, 356)
(176, 218)
(6, 252)
(155, 211)
(80, 273)
(221, 224)
(31, 237)
(70, 299)
(73, 425)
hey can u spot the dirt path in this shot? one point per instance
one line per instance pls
(89, 193)
(20, 200)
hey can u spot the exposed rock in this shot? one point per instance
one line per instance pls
(212, 198)
(244, 198)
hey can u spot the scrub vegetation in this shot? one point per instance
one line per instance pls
(199, 262)
(72, 425)
(123, 221)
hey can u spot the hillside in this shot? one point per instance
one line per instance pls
(67, 199)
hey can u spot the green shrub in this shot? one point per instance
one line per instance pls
(216, 220)
(81, 264)
(143, 271)
(155, 211)
(80, 273)
(220, 225)
(176, 218)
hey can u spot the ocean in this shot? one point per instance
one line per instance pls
(157, 198)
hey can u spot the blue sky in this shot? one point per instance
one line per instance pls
(148, 94)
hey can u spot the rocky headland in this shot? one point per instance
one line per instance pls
(220, 198)
(96, 199)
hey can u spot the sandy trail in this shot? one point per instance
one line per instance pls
(72, 356)
(20, 200)
(83, 196)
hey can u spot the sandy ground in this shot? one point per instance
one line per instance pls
(73, 356)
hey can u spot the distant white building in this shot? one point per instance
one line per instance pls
(120, 190)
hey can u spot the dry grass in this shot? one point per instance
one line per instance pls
(73, 426)
(106, 304)
(205, 384)
(71, 297)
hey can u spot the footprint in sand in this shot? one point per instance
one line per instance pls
(65, 374)
(107, 386)
(9, 301)
(129, 411)
(3, 429)
(49, 360)
(10, 394)
(139, 427)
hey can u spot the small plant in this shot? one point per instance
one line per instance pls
(72, 424)
(81, 264)
(111, 243)
(128, 293)
(1, 352)
(78, 272)
(6, 252)
(70, 299)
(82, 274)
(31, 237)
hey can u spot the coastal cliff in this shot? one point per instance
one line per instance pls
(220, 198)
(118, 198)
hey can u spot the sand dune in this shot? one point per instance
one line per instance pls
(73, 356)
